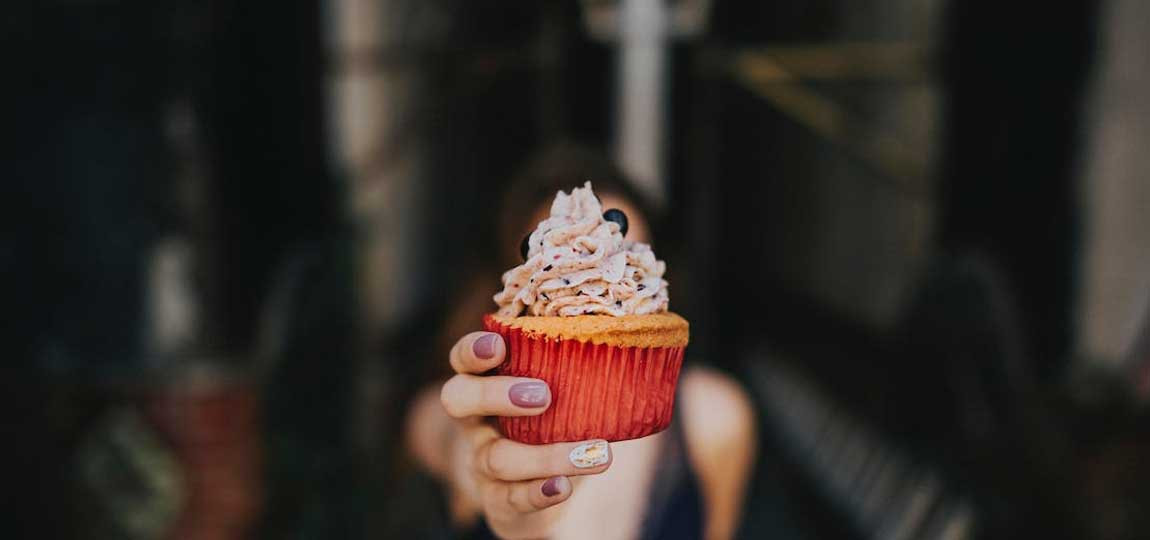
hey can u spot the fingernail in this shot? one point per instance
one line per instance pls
(530, 394)
(554, 486)
(590, 454)
(484, 347)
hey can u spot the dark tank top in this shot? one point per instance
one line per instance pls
(674, 508)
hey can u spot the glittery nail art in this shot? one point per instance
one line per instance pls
(590, 454)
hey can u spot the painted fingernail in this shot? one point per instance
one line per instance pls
(484, 347)
(590, 454)
(530, 394)
(554, 486)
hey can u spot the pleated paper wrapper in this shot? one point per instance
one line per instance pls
(597, 391)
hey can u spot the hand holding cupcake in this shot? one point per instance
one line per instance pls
(587, 313)
(516, 485)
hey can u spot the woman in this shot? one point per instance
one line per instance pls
(686, 482)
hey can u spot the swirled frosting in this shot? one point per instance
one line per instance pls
(579, 264)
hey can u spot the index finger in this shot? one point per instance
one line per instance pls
(477, 352)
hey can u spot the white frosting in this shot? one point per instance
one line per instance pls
(579, 264)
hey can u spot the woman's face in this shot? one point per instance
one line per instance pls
(637, 227)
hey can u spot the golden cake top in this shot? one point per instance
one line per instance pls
(652, 330)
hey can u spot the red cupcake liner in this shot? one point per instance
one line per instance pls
(597, 391)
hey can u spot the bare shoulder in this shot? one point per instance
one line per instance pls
(719, 428)
(717, 412)
(425, 429)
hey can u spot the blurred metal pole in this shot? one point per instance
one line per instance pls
(1115, 290)
(642, 92)
(643, 29)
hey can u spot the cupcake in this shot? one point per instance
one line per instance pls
(587, 313)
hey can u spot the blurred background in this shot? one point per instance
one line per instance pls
(917, 231)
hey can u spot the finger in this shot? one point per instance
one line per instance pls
(477, 352)
(471, 395)
(507, 460)
(534, 495)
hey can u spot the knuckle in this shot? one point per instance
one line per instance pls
(511, 498)
(449, 397)
(481, 461)
(520, 500)
(497, 466)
